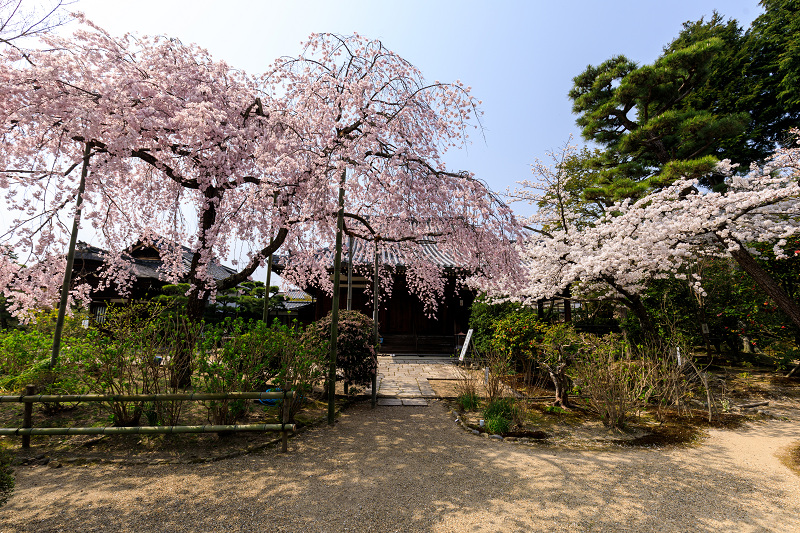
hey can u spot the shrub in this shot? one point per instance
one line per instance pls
(302, 364)
(132, 354)
(613, 383)
(497, 425)
(519, 334)
(236, 355)
(499, 366)
(25, 359)
(355, 347)
(498, 415)
(468, 401)
(483, 315)
(503, 407)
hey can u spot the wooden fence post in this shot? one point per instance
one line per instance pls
(27, 417)
(285, 409)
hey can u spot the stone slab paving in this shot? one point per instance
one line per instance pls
(405, 378)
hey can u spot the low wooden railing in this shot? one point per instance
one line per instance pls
(29, 397)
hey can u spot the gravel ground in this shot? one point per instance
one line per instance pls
(413, 469)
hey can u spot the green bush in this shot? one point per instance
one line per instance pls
(498, 415)
(25, 359)
(236, 355)
(482, 318)
(519, 334)
(503, 407)
(468, 401)
(356, 357)
(302, 364)
(497, 425)
(125, 357)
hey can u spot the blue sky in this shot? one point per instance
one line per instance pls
(519, 57)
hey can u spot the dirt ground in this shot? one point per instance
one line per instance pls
(409, 469)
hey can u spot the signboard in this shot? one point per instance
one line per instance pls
(466, 345)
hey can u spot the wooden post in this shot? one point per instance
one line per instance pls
(27, 417)
(285, 410)
(337, 273)
(265, 319)
(375, 325)
(350, 244)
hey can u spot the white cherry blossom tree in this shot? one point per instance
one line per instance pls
(661, 233)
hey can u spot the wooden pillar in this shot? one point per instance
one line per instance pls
(286, 408)
(27, 417)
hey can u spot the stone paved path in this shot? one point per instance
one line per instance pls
(404, 380)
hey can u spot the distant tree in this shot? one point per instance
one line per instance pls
(716, 92)
(756, 73)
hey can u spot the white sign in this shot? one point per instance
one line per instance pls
(466, 345)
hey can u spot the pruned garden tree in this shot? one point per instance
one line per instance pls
(643, 118)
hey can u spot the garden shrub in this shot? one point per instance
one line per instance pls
(468, 401)
(498, 415)
(482, 317)
(497, 425)
(236, 356)
(356, 356)
(613, 383)
(25, 359)
(519, 334)
(499, 366)
(467, 388)
(302, 364)
(130, 354)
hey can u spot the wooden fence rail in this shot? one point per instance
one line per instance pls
(29, 398)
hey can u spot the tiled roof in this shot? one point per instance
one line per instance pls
(389, 254)
(151, 268)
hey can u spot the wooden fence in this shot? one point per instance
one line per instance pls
(29, 397)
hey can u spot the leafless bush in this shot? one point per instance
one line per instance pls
(467, 388)
(498, 364)
(613, 383)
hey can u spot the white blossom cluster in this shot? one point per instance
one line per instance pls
(636, 241)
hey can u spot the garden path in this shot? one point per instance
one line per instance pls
(403, 379)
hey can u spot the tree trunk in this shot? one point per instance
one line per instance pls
(561, 382)
(634, 302)
(182, 360)
(73, 239)
(765, 281)
(769, 285)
